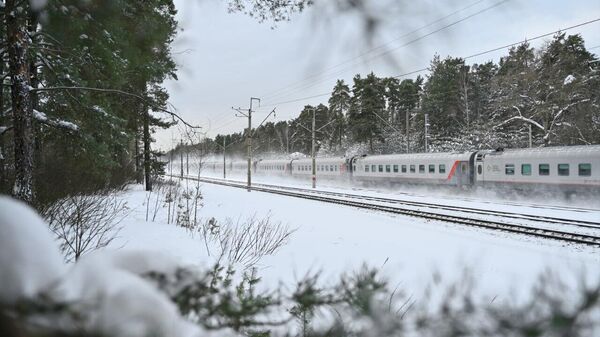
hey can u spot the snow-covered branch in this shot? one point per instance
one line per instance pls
(521, 118)
(61, 124)
(120, 92)
(565, 109)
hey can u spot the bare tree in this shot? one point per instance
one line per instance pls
(84, 223)
(245, 242)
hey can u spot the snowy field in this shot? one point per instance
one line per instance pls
(335, 239)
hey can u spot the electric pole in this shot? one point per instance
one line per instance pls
(248, 137)
(313, 131)
(312, 151)
(224, 164)
(181, 156)
(407, 131)
(426, 130)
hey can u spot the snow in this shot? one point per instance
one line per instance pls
(37, 5)
(24, 271)
(67, 125)
(568, 80)
(106, 288)
(124, 303)
(336, 239)
(42, 117)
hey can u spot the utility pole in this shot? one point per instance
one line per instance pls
(181, 156)
(426, 130)
(312, 151)
(530, 136)
(248, 137)
(187, 162)
(407, 131)
(224, 164)
(466, 69)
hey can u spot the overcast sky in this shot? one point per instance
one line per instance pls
(224, 59)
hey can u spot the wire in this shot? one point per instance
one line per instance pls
(301, 86)
(466, 57)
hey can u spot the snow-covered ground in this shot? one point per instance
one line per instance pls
(334, 239)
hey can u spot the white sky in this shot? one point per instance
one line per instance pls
(224, 59)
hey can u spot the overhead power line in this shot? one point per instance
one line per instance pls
(286, 91)
(465, 58)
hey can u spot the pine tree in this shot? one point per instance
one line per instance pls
(367, 107)
(339, 104)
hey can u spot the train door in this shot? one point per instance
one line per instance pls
(472, 168)
(463, 174)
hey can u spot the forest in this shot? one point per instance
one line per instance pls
(85, 96)
(532, 97)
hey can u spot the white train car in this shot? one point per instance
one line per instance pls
(569, 168)
(270, 167)
(325, 167)
(418, 168)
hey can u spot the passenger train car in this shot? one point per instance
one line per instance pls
(568, 168)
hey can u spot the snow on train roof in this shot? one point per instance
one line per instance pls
(321, 160)
(274, 161)
(418, 156)
(555, 151)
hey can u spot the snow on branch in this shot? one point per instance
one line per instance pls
(121, 92)
(61, 124)
(521, 118)
(3, 129)
(565, 109)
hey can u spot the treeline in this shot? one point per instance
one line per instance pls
(551, 93)
(81, 93)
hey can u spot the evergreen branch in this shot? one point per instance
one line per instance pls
(120, 92)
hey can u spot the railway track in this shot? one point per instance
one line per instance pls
(401, 207)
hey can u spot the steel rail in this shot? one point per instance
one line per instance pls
(482, 223)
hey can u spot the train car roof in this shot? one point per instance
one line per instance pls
(548, 152)
(463, 156)
(321, 160)
(274, 161)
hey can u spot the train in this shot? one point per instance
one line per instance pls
(569, 169)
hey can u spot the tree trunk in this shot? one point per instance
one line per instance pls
(139, 176)
(2, 123)
(147, 141)
(18, 44)
(36, 127)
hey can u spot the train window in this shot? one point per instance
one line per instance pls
(331, 168)
(388, 168)
(544, 169)
(403, 168)
(479, 169)
(585, 170)
(395, 168)
(526, 169)
(380, 168)
(336, 168)
(412, 168)
(421, 168)
(431, 168)
(563, 169)
(442, 168)
(373, 168)
(509, 169)
(366, 168)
